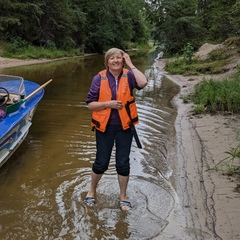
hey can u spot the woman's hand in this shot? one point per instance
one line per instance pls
(128, 60)
(116, 104)
(139, 76)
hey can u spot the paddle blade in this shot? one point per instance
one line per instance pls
(14, 107)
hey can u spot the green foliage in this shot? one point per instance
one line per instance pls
(91, 26)
(179, 22)
(21, 50)
(188, 52)
(221, 19)
(180, 66)
(175, 23)
(214, 63)
(115, 23)
(15, 46)
(94, 26)
(218, 96)
(231, 164)
(183, 66)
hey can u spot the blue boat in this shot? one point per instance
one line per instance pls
(18, 101)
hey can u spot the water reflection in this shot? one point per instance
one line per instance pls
(43, 184)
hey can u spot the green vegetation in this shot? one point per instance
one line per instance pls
(211, 96)
(179, 26)
(187, 64)
(218, 96)
(230, 165)
(89, 26)
(181, 65)
(176, 23)
(23, 50)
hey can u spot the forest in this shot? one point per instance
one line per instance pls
(93, 26)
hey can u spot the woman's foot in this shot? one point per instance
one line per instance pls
(125, 205)
(89, 201)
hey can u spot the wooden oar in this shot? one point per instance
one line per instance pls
(14, 107)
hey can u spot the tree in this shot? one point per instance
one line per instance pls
(88, 25)
(175, 22)
(114, 23)
(15, 18)
(223, 19)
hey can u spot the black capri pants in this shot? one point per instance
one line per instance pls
(105, 142)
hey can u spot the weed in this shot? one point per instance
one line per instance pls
(231, 164)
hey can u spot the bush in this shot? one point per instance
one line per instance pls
(22, 50)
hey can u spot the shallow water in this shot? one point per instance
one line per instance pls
(43, 184)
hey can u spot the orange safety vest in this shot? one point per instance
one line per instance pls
(100, 118)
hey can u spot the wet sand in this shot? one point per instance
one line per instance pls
(208, 206)
(13, 62)
(208, 199)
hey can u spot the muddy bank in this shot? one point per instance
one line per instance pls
(209, 206)
(13, 62)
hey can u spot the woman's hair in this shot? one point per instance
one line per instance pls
(109, 53)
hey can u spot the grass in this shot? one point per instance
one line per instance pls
(22, 50)
(218, 96)
(31, 52)
(181, 66)
(231, 164)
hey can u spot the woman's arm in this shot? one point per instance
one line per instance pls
(97, 106)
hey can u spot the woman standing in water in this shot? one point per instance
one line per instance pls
(111, 92)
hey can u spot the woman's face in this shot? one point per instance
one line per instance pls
(116, 61)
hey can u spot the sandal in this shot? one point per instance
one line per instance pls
(125, 204)
(89, 201)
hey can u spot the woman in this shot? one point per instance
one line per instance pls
(111, 90)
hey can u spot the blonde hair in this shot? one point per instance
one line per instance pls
(109, 53)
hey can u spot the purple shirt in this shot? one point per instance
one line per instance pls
(93, 93)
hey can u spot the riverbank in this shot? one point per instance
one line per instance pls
(13, 62)
(208, 198)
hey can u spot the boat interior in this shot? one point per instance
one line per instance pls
(11, 90)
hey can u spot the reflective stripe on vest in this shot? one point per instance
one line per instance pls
(100, 118)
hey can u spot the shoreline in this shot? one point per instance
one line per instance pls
(208, 206)
(12, 62)
(208, 199)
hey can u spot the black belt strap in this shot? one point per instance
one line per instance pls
(133, 129)
(96, 123)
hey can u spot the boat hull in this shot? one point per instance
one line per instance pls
(15, 137)
(15, 126)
